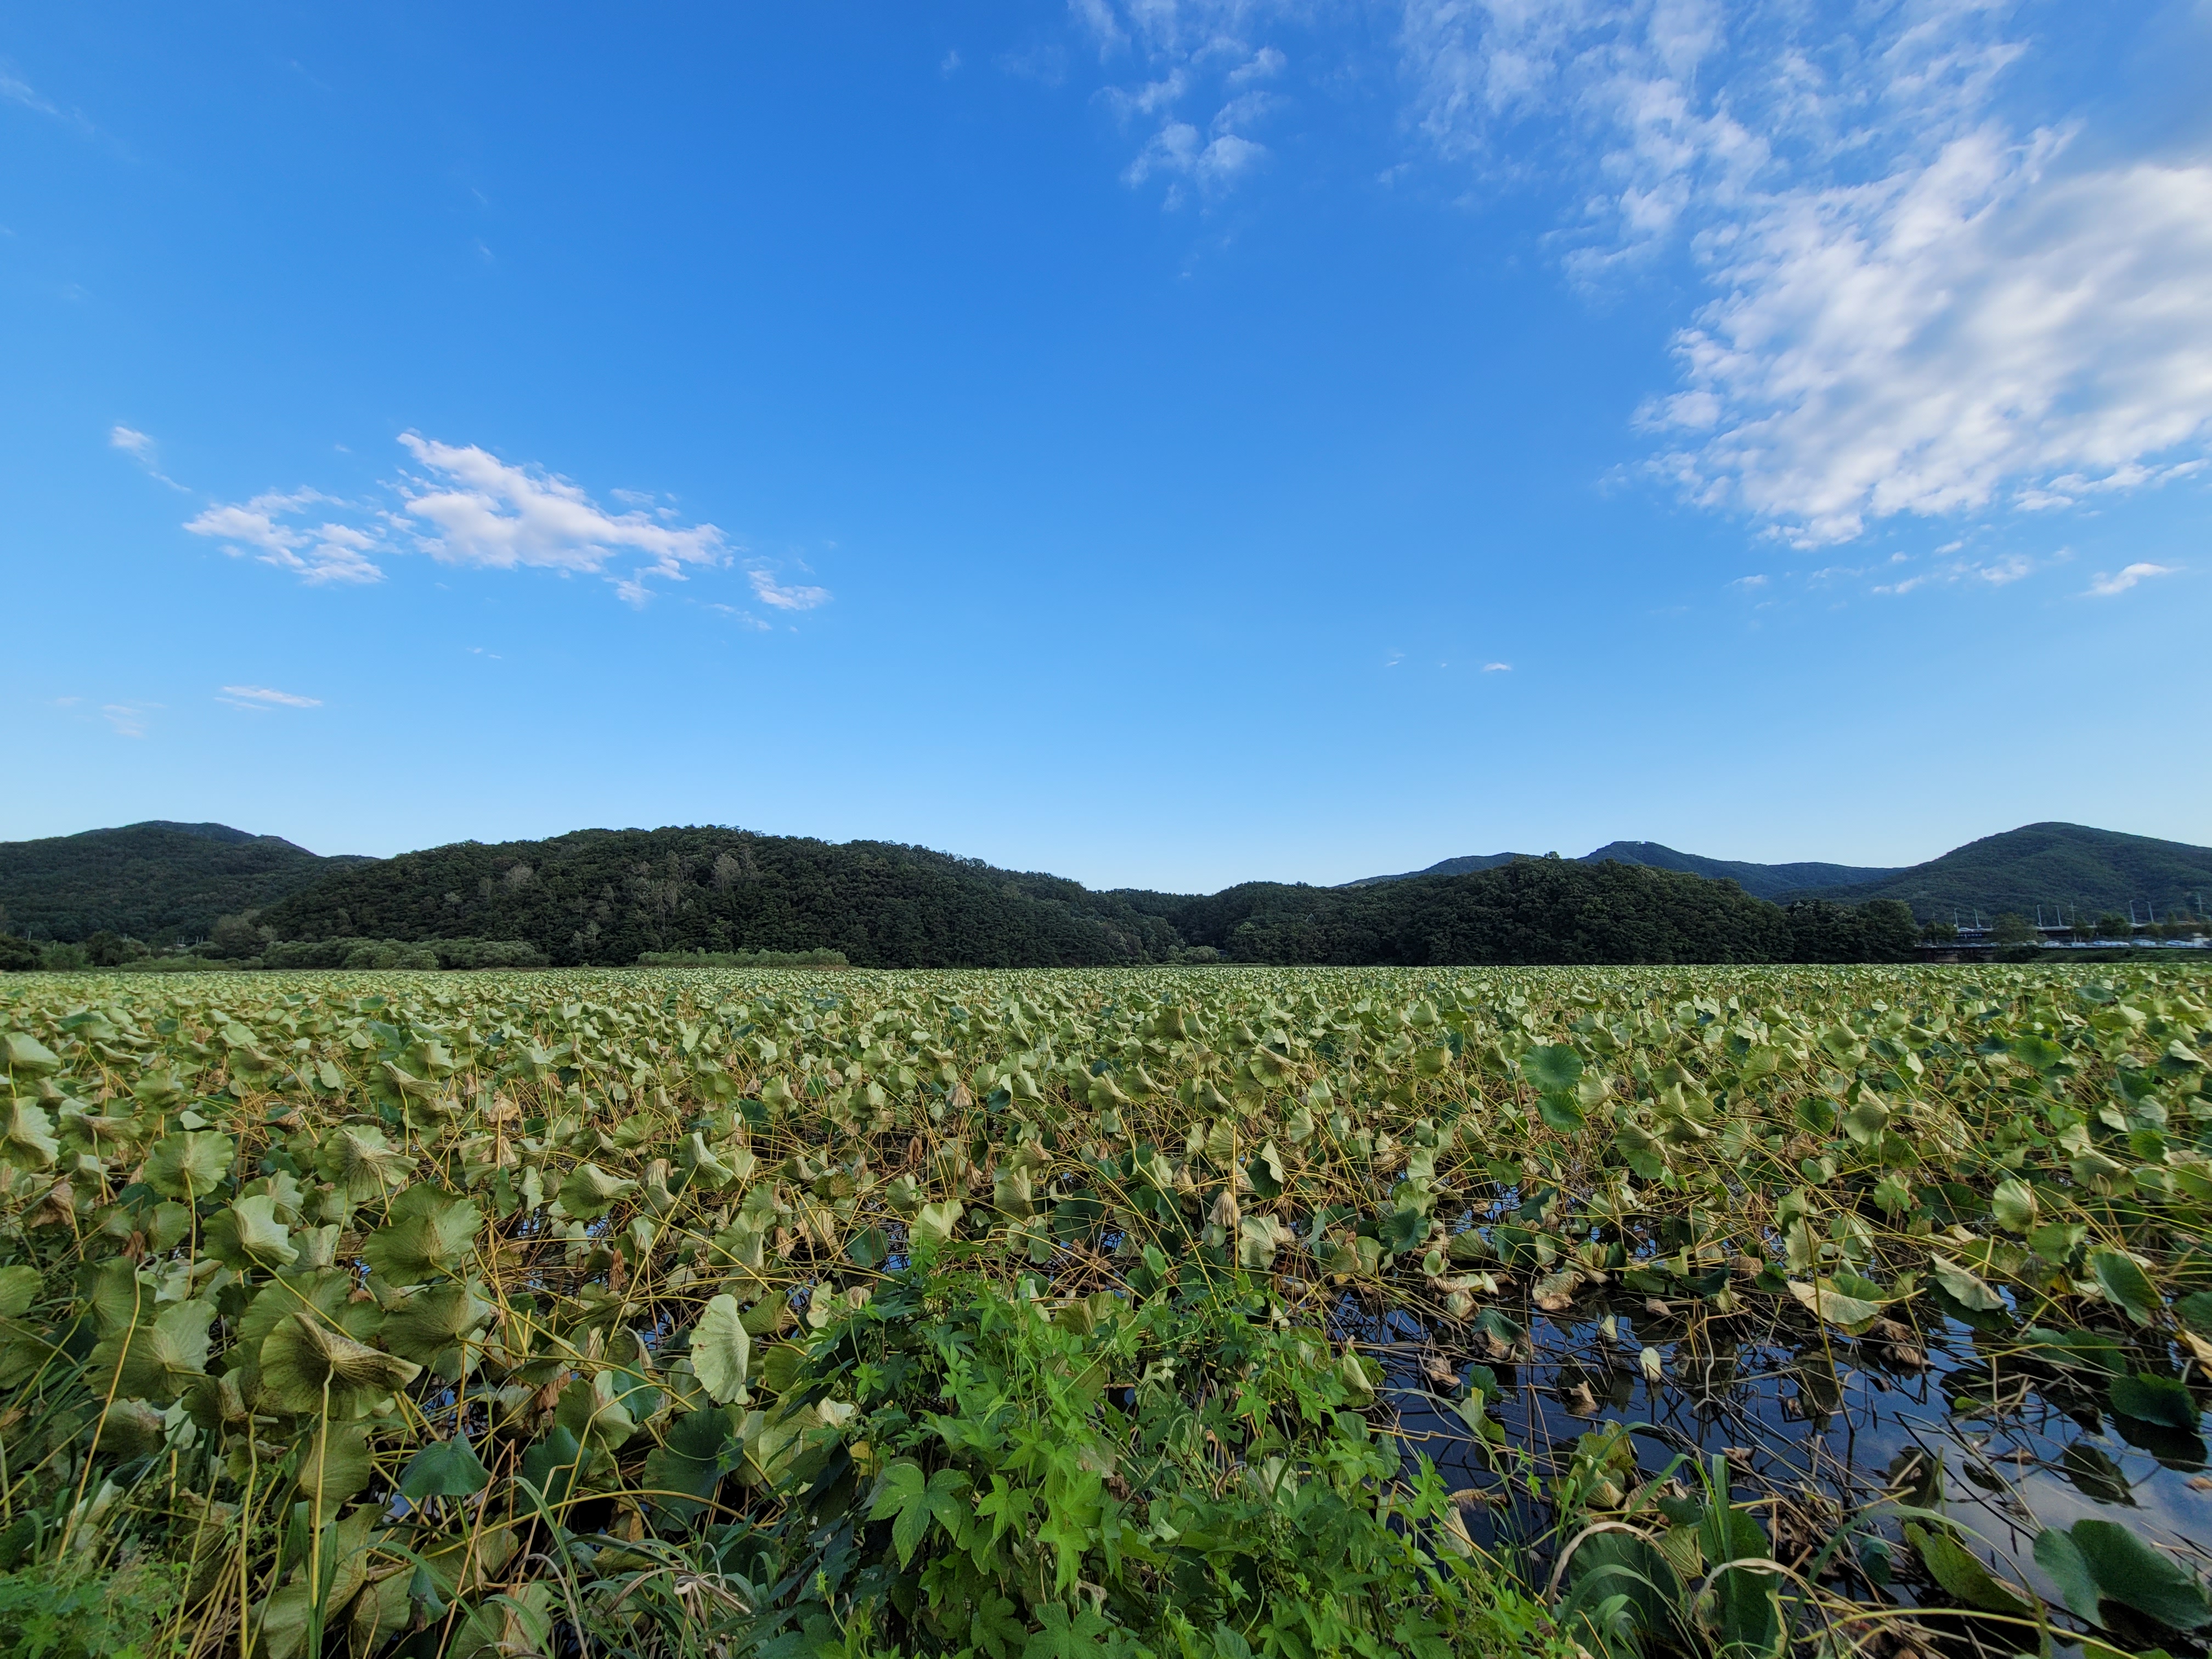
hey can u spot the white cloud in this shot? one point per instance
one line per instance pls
(2000, 572)
(129, 720)
(1919, 306)
(262, 695)
(1497, 668)
(2104, 587)
(328, 552)
(141, 449)
(462, 505)
(1189, 52)
(470, 508)
(769, 591)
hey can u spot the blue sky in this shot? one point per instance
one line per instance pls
(1162, 443)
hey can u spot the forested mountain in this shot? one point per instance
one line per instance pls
(2047, 864)
(157, 881)
(2051, 865)
(1760, 880)
(605, 896)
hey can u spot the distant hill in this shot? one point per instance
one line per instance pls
(158, 881)
(2049, 864)
(1760, 880)
(1465, 866)
(2046, 864)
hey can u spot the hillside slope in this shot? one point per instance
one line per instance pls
(155, 881)
(2048, 864)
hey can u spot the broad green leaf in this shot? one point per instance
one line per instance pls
(19, 1288)
(2014, 1205)
(155, 1359)
(935, 1222)
(590, 1192)
(721, 1352)
(1962, 1573)
(2058, 1555)
(364, 1165)
(188, 1166)
(686, 1470)
(1834, 1306)
(901, 1498)
(1554, 1069)
(2149, 1399)
(2127, 1570)
(335, 1464)
(444, 1468)
(432, 1324)
(428, 1234)
(29, 1142)
(2126, 1284)
(554, 1465)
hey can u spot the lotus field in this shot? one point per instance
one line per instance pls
(1177, 1311)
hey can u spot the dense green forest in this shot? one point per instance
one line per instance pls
(610, 896)
(606, 897)
(157, 882)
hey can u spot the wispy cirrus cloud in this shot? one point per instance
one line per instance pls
(262, 697)
(141, 448)
(2104, 587)
(768, 591)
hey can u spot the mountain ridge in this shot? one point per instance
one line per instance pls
(2051, 863)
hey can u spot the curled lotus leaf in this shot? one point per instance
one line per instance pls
(153, 1360)
(28, 1140)
(364, 1165)
(308, 1362)
(590, 1192)
(431, 1325)
(246, 1234)
(428, 1234)
(130, 1429)
(27, 1057)
(188, 1166)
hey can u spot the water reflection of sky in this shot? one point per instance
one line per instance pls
(1836, 1421)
